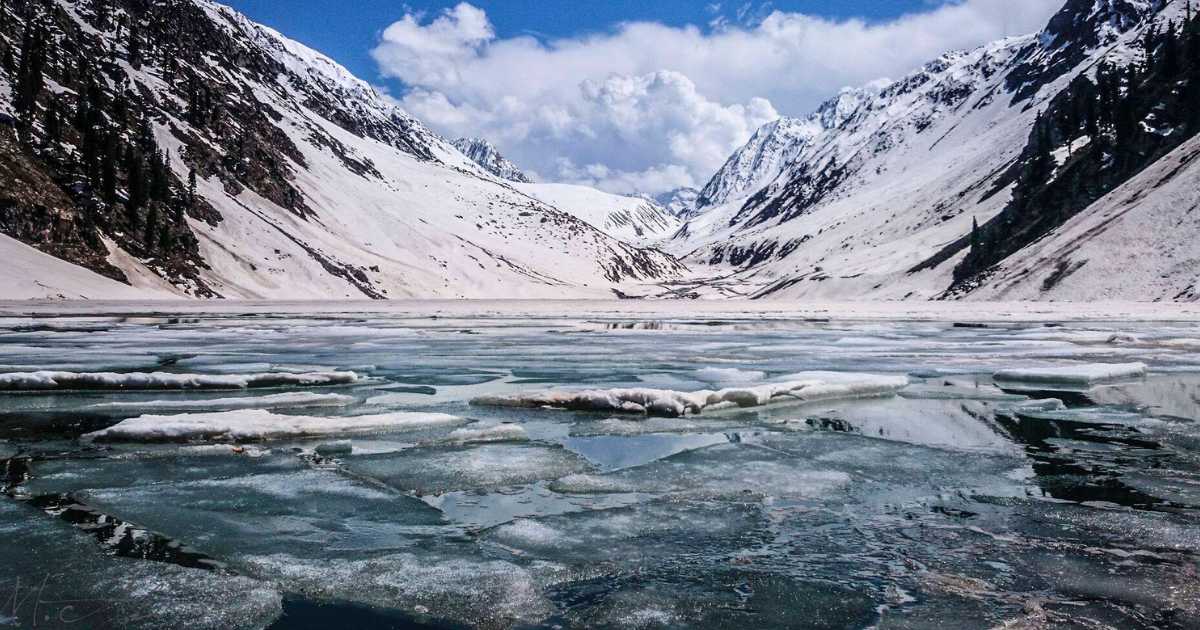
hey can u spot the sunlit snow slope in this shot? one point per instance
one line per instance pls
(868, 197)
(310, 184)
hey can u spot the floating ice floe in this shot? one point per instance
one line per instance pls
(259, 424)
(497, 433)
(1084, 374)
(166, 380)
(274, 401)
(805, 387)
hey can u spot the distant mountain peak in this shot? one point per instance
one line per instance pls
(486, 155)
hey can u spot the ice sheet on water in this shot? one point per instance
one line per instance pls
(724, 472)
(24, 381)
(57, 577)
(611, 452)
(721, 598)
(287, 400)
(487, 466)
(630, 536)
(317, 513)
(460, 587)
(259, 424)
(1082, 374)
(804, 387)
(945, 423)
(729, 376)
(60, 476)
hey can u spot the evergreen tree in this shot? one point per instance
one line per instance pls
(135, 45)
(31, 78)
(151, 235)
(53, 122)
(108, 170)
(7, 61)
(1168, 65)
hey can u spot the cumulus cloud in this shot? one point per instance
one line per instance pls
(646, 107)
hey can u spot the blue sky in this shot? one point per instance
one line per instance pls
(632, 96)
(348, 34)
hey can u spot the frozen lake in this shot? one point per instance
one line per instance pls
(635, 465)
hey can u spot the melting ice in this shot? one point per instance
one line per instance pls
(233, 470)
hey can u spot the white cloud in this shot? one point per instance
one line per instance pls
(655, 105)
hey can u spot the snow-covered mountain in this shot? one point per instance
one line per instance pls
(633, 220)
(876, 195)
(777, 145)
(182, 148)
(484, 154)
(681, 202)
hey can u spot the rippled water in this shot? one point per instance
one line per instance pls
(952, 504)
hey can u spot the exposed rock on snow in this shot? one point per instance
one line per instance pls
(482, 152)
(806, 387)
(260, 424)
(1075, 374)
(166, 380)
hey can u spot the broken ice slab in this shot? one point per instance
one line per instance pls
(258, 424)
(310, 513)
(630, 536)
(1082, 374)
(58, 577)
(28, 381)
(717, 599)
(804, 387)
(287, 400)
(446, 469)
(455, 583)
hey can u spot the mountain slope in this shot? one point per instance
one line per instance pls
(1136, 243)
(482, 152)
(881, 203)
(180, 140)
(632, 220)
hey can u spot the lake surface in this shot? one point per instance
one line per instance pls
(956, 501)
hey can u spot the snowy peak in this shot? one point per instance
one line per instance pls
(486, 155)
(680, 202)
(1090, 23)
(760, 160)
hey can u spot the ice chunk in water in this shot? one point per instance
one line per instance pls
(292, 400)
(167, 380)
(1084, 374)
(805, 387)
(258, 424)
(496, 433)
(445, 469)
